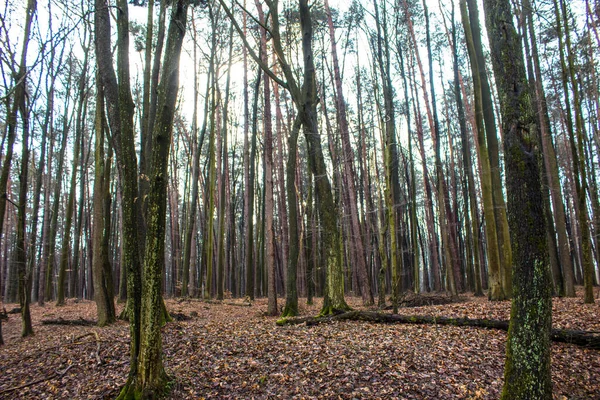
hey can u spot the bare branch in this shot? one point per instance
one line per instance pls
(251, 51)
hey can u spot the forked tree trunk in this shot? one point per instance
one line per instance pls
(120, 110)
(150, 378)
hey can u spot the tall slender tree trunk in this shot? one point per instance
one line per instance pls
(190, 231)
(221, 261)
(491, 139)
(495, 287)
(268, 163)
(349, 174)
(102, 291)
(19, 106)
(66, 243)
(448, 244)
(576, 140)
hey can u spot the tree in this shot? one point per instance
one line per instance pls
(19, 105)
(103, 288)
(305, 100)
(120, 108)
(576, 141)
(470, 21)
(527, 366)
(349, 174)
(150, 378)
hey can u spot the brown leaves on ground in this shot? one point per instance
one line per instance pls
(227, 351)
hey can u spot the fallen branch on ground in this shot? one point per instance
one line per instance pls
(72, 322)
(95, 334)
(413, 300)
(580, 338)
(52, 376)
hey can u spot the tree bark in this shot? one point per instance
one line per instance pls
(527, 366)
(150, 379)
(103, 293)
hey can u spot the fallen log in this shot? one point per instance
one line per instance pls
(586, 339)
(72, 322)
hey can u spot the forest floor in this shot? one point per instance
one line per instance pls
(228, 351)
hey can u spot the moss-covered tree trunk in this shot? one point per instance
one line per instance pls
(20, 255)
(328, 209)
(150, 379)
(527, 366)
(20, 106)
(305, 99)
(120, 110)
(392, 187)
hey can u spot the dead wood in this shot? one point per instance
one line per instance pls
(586, 339)
(179, 316)
(238, 304)
(47, 378)
(421, 300)
(71, 322)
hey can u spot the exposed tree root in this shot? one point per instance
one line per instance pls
(580, 338)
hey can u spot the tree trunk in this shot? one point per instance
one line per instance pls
(577, 145)
(472, 220)
(495, 287)
(20, 256)
(491, 139)
(66, 243)
(527, 366)
(551, 165)
(349, 175)
(102, 292)
(150, 379)
(120, 109)
(221, 261)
